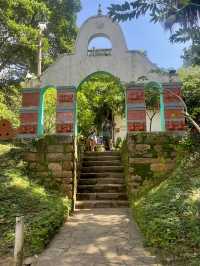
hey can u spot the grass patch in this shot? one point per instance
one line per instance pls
(169, 214)
(44, 210)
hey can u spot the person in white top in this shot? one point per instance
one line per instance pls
(93, 139)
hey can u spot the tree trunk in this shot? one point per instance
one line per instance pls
(150, 124)
(192, 121)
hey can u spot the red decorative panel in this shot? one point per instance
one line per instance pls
(65, 99)
(173, 114)
(27, 118)
(64, 128)
(28, 129)
(175, 125)
(30, 99)
(64, 117)
(136, 115)
(135, 96)
(6, 130)
(139, 126)
(169, 97)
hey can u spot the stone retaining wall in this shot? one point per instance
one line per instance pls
(148, 156)
(52, 161)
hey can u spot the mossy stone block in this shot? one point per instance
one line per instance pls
(143, 170)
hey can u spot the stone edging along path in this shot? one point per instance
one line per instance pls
(98, 237)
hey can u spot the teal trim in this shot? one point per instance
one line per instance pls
(30, 90)
(40, 128)
(64, 88)
(159, 86)
(97, 72)
(75, 115)
(162, 110)
(126, 111)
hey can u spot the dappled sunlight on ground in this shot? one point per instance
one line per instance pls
(98, 237)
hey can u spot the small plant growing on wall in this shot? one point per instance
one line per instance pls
(152, 96)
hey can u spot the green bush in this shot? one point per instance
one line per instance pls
(44, 210)
(168, 214)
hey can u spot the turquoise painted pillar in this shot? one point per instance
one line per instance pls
(162, 108)
(76, 115)
(40, 129)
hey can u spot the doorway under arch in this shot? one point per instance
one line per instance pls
(106, 84)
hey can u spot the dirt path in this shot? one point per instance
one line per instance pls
(98, 237)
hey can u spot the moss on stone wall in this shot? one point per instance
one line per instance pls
(51, 162)
(148, 157)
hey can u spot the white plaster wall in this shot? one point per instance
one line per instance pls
(121, 126)
(156, 126)
(70, 70)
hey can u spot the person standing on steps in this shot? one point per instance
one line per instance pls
(107, 135)
(93, 139)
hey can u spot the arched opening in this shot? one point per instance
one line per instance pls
(155, 119)
(99, 45)
(101, 102)
(47, 111)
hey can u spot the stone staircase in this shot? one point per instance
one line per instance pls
(101, 183)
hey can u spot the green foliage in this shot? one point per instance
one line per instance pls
(19, 33)
(190, 78)
(10, 104)
(119, 143)
(185, 13)
(50, 111)
(152, 101)
(180, 17)
(86, 116)
(44, 210)
(168, 214)
(98, 97)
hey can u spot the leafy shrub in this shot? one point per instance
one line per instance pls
(168, 214)
(118, 144)
(44, 210)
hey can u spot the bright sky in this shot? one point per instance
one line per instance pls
(140, 34)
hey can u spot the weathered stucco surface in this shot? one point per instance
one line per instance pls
(70, 70)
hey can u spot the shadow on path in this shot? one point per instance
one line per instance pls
(98, 237)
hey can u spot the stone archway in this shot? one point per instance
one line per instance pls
(119, 84)
(70, 69)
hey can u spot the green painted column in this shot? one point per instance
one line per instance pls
(162, 109)
(40, 129)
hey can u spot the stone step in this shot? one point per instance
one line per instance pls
(94, 181)
(105, 153)
(102, 158)
(101, 188)
(102, 163)
(101, 196)
(101, 175)
(90, 204)
(102, 169)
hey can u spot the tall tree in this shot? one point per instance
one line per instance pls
(152, 97)
(181, 17)
(190, 78)
(19, 21)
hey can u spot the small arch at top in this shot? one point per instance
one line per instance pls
(99, 44)
(100, 26)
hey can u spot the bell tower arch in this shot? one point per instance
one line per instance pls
(100, 26)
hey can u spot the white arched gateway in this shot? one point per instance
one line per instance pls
(70, 70)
